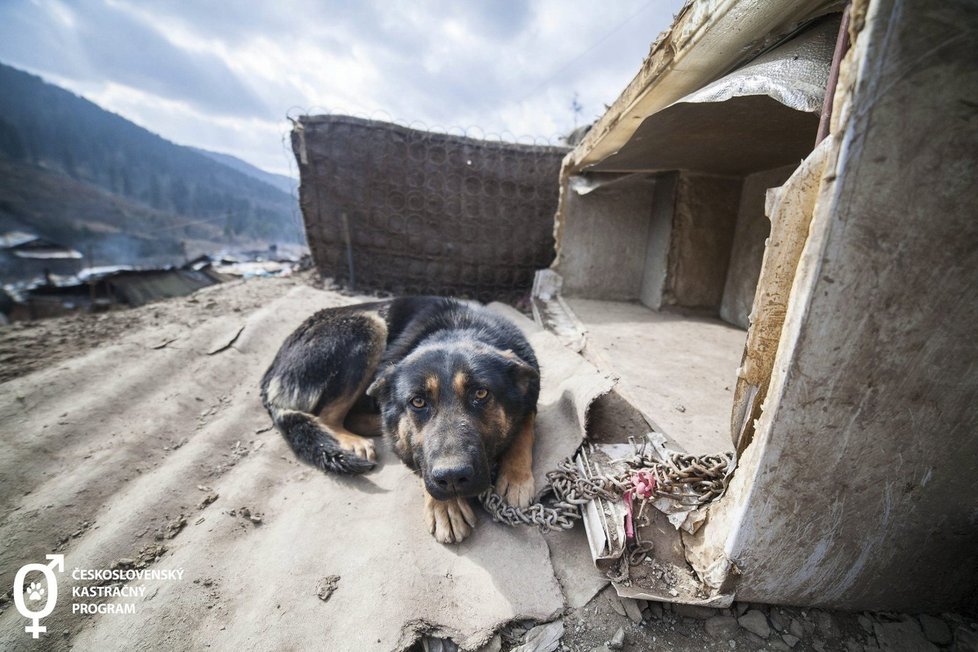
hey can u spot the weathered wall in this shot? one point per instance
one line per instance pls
(702, 235)
(751, 231)
(603, 240)
(858, 489)
(659, 238)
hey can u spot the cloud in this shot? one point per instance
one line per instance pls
(223, 75)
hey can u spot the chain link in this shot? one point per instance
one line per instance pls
(691, 480)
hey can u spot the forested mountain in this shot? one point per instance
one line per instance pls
(285, 184)
(151, 188)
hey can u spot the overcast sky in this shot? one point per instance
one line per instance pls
(223, 75)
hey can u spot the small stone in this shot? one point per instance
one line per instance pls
(866, 623)
(207, 500)
(935, 629)
(756, 641)
(615, 603)
(755, 622)
(618, 640)
(326, 586)
(796, 629)
(631, 610)
(721, 626)
(965, 640)
(826, 625)
(902, 636)
(655, 610)
(853, 646)
(818, 645)
(694, 611)
(777, 620)
(741, 608)
(777, 644)
(791, 640)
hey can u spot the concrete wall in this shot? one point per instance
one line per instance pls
(665, 242)
(603, 240)
(659, 240)
(858, 491)
(750, 233)
(703, 223)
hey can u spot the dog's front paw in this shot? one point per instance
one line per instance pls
(517, 489)
(450, 521)
(359, 446)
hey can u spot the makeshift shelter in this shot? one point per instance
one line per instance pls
(769, 240)
(700, 205)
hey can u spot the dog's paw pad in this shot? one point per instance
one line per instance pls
(516, 490)
(449, 521)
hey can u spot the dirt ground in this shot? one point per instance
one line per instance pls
(604, 623)
(27, 346)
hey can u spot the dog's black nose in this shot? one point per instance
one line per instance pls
(453, 479)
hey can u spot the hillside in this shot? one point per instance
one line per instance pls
(286, 184)
(73, 171)
(107, 228)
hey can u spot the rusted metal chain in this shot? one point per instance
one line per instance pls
(690, 480)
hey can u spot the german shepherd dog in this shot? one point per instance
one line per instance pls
(453, 385)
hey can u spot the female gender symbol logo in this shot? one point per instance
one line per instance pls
(50, 597)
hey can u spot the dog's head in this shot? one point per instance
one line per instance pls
(451, 408)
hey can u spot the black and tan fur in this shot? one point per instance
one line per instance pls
(455, 385)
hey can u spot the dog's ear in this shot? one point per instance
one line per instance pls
(380, 388)
(520, 371)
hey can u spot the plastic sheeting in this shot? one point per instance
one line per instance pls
(760, 116)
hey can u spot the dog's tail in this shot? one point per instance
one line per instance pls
(314, 444)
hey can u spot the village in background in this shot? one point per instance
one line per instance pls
(97, 213)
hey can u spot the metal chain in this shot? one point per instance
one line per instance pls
(689, 479)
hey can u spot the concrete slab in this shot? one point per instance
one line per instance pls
(678, 370)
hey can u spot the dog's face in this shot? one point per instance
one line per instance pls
(451, 409)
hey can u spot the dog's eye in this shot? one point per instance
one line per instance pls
(481, 394)
(418, 402)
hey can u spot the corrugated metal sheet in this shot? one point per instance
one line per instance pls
(139, 287)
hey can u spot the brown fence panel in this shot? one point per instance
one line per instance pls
(424, 212)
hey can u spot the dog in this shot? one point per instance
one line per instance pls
(453, 384)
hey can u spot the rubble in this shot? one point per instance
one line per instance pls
(755, 621)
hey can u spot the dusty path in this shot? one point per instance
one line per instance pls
(29, 346)
(136, 442)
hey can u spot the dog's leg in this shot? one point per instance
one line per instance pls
(322, 369)
(450, 521)
(515, 480)
(363, 423)
(333, 417)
